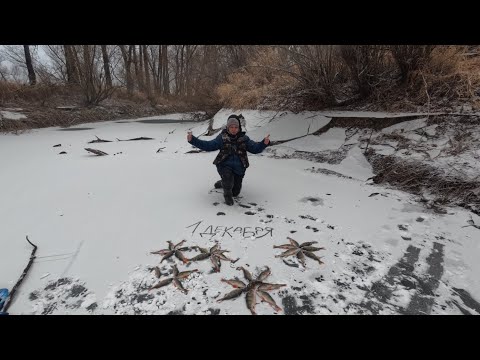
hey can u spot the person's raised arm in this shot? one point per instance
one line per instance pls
(257, 147)
(204, 145)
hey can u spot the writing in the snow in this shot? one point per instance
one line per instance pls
(247, 231)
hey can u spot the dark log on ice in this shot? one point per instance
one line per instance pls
(14, 289)
(96, 152)
(98, 140)
(139, 138)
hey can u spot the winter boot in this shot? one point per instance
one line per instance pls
(237, 184)
(227, 182)
(228, 198)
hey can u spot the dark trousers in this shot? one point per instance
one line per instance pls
(231, 182)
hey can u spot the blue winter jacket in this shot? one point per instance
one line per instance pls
(233, 160)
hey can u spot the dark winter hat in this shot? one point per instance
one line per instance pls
(233, 120)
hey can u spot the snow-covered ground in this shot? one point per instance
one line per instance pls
(12, 115)
(96, 220)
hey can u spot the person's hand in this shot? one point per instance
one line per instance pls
(266, 141)
(189, 136)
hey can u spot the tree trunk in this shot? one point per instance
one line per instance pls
(127, 59)
(182, 72)
(152, 64)
(106, 66)
(88, 73)
(190, 79)
(141, 78)
(72, 73)
(148, 89)
(158, 72)
(188, 54)
(177, 70)
(410, 57)
(138, 75)
(28, 60)
(165, 74)
(188, 75)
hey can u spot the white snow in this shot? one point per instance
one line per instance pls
(372, 114)
(11, 115)
(333, 139)
(406, 126)
(96, 220)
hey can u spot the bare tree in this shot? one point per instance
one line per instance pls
(28, 61)
(138, 72)
(206, 70)
(70, 64)
(238, 54)
(147, 72)
(87, 71)
(178, 70)
(3, 72)
(184, 57)
(92, 76)
(117, 70)
(141, 73)
(3, 69)
(189, 66)
(158, 67)
(367, 65)
(153, 68)
(198, 69)
(165, 70)
(22, 59)
(410, 57)
(106, 66)
(57, 68)
(316, 68)
(127, 59)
